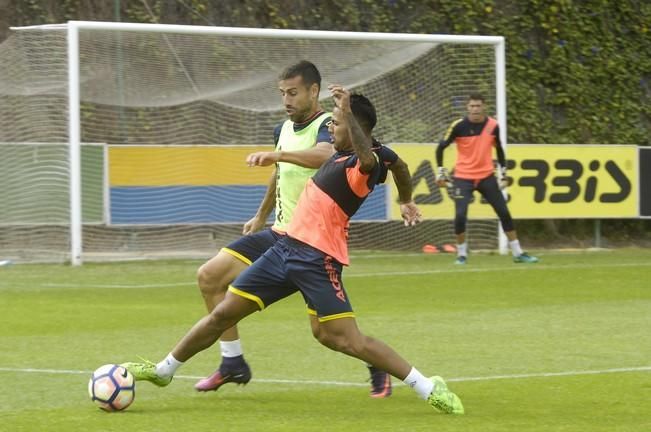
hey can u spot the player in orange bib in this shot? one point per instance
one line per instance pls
(475, 136)
(302, 144)
(309, 260)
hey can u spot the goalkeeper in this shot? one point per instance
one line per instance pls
(475, 136)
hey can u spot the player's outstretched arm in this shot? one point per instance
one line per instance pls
(402, 178)
(310, 158)
(442, 175)
(410, 213)
(408, 209)
(257, 222)
(502, 178)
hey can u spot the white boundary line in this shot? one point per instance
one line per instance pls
(119, 286)
(553, 374)
(381, 274)
(354, 384)
(514, 267)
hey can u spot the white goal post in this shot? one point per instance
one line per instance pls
(372, 62)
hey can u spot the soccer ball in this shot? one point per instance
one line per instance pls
(112, 387)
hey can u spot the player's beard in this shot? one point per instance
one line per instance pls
(301, 114)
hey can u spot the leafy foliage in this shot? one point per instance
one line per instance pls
(578, 72)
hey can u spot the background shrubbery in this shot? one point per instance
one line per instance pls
(578, 71)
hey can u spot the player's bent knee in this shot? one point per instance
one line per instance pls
(316, 332)
(203, 278)
(207, 280)
(215, 275)
(325, 339)
(339, 343)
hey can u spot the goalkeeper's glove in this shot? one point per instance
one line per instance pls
(443, 175)
(501, 177)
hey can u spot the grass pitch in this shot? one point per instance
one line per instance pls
(563, 345)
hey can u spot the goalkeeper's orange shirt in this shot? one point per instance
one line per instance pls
(474, 150)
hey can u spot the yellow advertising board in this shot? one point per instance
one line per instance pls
(546, 181)
(149, 165)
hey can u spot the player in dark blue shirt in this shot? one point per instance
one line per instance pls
(298, 264)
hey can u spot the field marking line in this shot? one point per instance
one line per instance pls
(119, 286)
(552, 374)
(354, 384)
(513, 267)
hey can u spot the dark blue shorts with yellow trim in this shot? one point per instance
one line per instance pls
(291, 266)
(250, 247)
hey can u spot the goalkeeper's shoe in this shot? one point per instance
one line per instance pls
(146, 371)
(241, 375)
(442, 399)
(380, 383)
(461, 260)
(525, 258)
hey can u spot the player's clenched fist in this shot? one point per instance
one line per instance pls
(262, 158)
(340, 95)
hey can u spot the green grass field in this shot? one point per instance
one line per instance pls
(564, 345)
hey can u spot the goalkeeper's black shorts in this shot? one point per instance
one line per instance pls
(489, 189)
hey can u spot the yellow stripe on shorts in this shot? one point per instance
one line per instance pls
(337, 316)
(237, 255)
(247, 295)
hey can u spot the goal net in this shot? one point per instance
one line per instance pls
(121, 141)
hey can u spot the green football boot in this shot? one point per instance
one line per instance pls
(146, 371)
(443, 399)
(525, 258)
(461, 260)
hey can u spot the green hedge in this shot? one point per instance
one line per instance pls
(577, 71)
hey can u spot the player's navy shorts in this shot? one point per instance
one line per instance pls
(250, 247)
(291, 266)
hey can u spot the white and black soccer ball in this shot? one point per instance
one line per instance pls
(112, 387)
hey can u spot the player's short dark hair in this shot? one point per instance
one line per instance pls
(476, 96)
(305, 70)
(364, 111)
